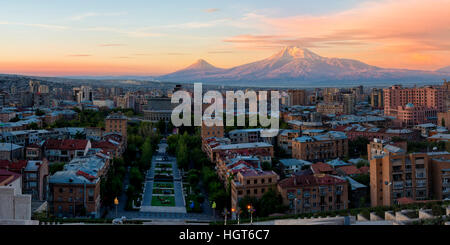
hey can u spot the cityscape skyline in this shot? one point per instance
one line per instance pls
(140, 38)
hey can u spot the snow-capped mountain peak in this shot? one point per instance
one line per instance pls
(200, 64)
(295, 52)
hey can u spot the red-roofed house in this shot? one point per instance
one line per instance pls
(322, 168)
(314, 193)
(65, 150)
(350, 170)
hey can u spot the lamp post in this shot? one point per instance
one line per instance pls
(116, 202)
(250, 210)
(225, 213)
(295, 206)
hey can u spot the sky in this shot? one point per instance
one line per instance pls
(137, 37)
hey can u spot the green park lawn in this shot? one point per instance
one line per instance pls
(163, 201)
(162, 185)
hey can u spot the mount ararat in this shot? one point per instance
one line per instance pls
(296, 66)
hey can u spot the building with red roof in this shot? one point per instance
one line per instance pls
(314, 193)
(65, 150)
(350, 170)
(322, 168)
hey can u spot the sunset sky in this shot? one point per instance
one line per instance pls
(137, 37)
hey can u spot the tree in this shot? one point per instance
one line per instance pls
(33, 126)
(270, 203)
(80, 135)
(15, 119)
(55, 167)
(136, 178)
(266, 166)
(39, 112)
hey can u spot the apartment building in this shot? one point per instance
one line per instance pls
(307, 193)
(325, 146)
(440, 175)
(35, 179)
(285, 137)
(211, 131)
(396, 174)
(65, 150)
(414, 105)
(253, 183)
(297, 97)
(75, 191)
(116, 123)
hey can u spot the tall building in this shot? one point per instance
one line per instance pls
(116, 123)
(376, 98)
(444, 119)
(446, 87)
(407, 104)
(395, 174)
(349, 100)
(43, 89)
(34, 86)
(83, 94)
(297, 97)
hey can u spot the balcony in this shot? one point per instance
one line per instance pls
(398, 184)
(408, 183)
(338, 192)
(420, 174)
(306, 195)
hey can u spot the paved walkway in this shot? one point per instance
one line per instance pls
(160, 214)
(180, 206)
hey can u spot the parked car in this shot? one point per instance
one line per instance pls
(119, 221)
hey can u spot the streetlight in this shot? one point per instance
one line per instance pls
(295, 204)
(225, 213)
(116, 202)
(250, 210)
(238, 212)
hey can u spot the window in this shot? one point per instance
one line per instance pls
(255, 181)
(61, 190)
(248, 192)
(255, 191)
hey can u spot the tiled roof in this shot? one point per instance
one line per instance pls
(6, 177)
(321, 167)
(310, 180)
(350, 170)
(66, 144)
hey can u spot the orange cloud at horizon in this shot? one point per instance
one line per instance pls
(374, 32)
(56, 68)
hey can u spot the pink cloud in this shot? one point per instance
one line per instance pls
(399, 27)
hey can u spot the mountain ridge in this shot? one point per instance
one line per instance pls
(294, 64)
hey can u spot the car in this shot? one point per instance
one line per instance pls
(119, 221)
